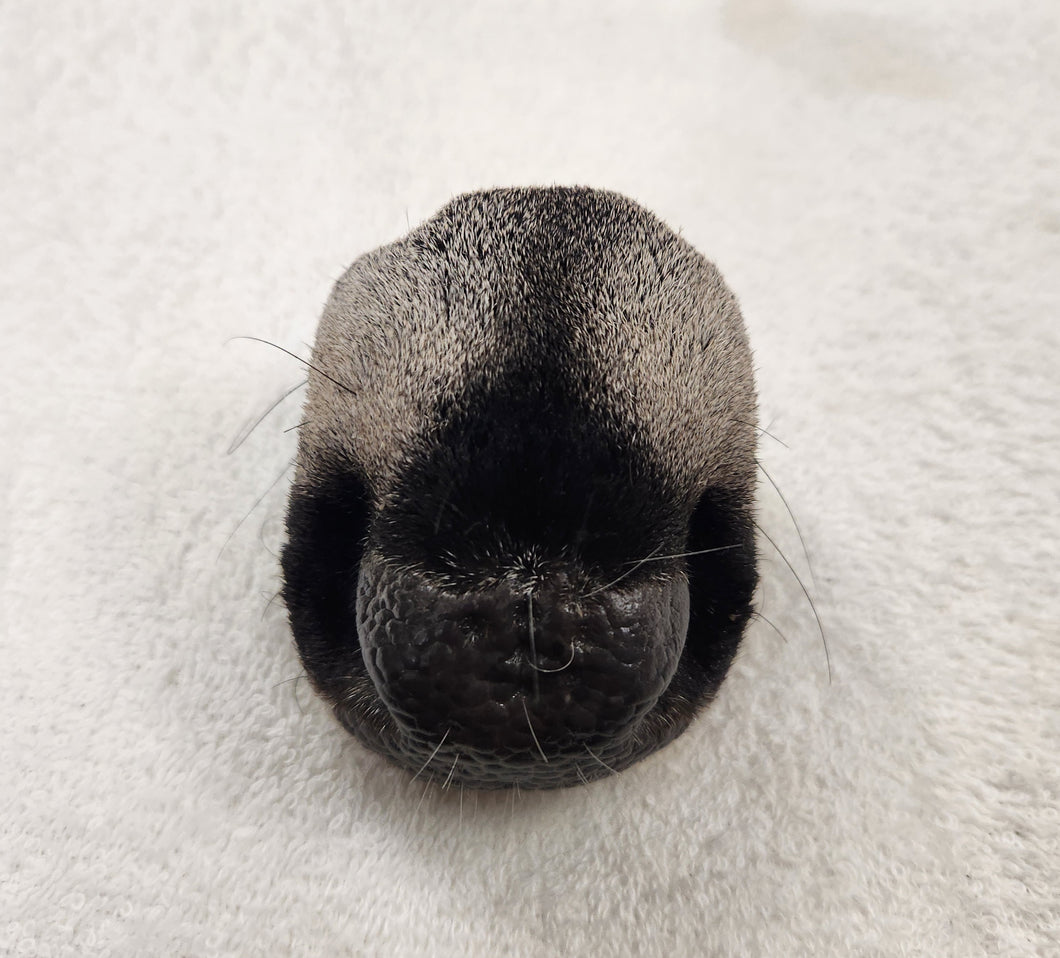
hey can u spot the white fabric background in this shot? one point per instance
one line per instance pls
(877, 182)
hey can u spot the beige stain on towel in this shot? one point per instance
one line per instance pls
(837, 51)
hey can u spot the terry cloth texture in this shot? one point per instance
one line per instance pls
(877, 182)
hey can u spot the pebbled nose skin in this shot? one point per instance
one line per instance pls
(530, 666)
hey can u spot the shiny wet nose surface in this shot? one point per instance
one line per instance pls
(507, 672)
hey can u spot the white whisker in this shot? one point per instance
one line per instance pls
(600, 760)
(430, 758)
(533, 734)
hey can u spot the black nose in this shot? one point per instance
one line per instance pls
(518, 669)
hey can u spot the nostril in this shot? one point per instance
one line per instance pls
(484, 667)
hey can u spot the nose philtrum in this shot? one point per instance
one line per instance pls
(506, 670)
